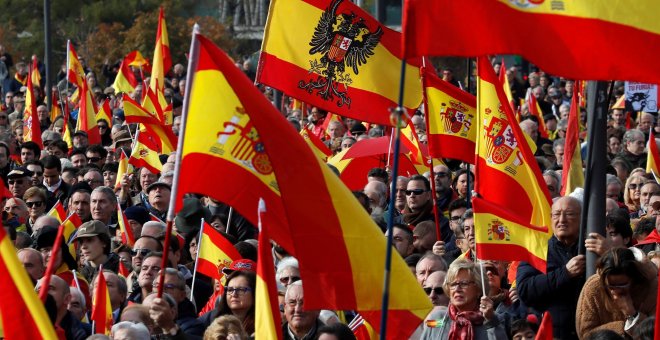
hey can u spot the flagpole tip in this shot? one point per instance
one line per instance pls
(196, 28)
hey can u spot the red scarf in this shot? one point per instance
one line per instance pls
(461, 328)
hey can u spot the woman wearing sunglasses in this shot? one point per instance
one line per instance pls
(35, 199)
(470, 315)
(632, 194)
(619, 296)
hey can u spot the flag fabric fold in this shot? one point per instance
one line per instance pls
(31, 125)
(653, 157)
(101, 307)
(451, 119)
(145, 153)
(585, 28)
(214, 250)
(58, 212)
(125, 81)
(335, 56)
(267, 318)
(87, 115)
(127, 236)
(511, 230)
(249, 142)
(319, 148)
(162, 61)
(105, 113)
(135, 113)
(75, 71)
(572, 174)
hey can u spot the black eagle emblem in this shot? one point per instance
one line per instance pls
(345, 42)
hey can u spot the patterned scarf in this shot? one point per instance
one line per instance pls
(413, 218)
(461, 328)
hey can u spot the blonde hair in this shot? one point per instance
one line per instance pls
(223, 326)
(626, 192)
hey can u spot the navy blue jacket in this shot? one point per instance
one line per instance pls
(555, 291)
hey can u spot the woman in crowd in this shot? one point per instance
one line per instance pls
(460, 183)
(470, 315)
(35, 199)
(631, 194)
(619, 296)
(238, 298)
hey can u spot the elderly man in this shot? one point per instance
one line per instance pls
(531, 128)
(142, 198)
(186, 318)
(33, 262)
(117, 290)
(558, 290)
(648, 189)
(553, 182)
(613, 187)
(376, 191)
(159, 199)
(428, 264)
(433, 288)
(103, 206)
(19, 181)
(92, 176)
(300, 323)
(59, 290)
(634, 143)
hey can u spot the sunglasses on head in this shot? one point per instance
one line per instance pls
(415, 192)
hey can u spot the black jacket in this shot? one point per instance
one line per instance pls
(555, 291)
(187, 319)
(74, 329)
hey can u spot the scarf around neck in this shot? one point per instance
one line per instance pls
(463, 322)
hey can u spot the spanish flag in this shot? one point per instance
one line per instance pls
(75, 71)
(418, 155)
(213, 250)
(535, 110)
(451, 118)
(31, 125)
(58, 212)
(162, 59)
(124, 168)
(23, 315)
(101, 306)
(35, 75)
(319, 148)
(507, 87)
(334, 55)
(135, 113)
(136, 59)
(509, 230)
(145, 153)
(653, 160)
(543, 31)
(572, 175)
(268, 322)
(87, 116)
(70, 225)
(105, 113)
(239, 144)
(125, 81)
(127, 236)
(362, 329)
(55, 109)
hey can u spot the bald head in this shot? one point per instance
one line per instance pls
(33, 262)
(45, 221)
(434, 283)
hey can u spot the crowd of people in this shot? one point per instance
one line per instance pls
(473, 298)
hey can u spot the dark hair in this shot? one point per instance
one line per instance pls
(160, 245)
(427, 184)
(6, 147)
(459, 173)
(457, 204)
(97, 148)
(34, 162)
(521, 325)
(32, 146)
(645, 226)
(246, 250)
(621, 261)
(60, 144)
(378, 172)
(604, 334)
(405, 229)
(644, 331)
(412, 259)
(223, 307)
(339, 330)
(620, 221)
(77, 151)
(112, 167)
(52, 162)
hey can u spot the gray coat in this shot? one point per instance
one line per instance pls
(490, 330)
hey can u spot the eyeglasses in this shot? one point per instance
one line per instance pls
(289, 279)
(635, 186)
(436, 290)
(93, 159)
(237, 290)
(36, 204)
(440, 174)
(142, 252)
(15, 181)
(415, 192)
(460, 284)
(455, 218)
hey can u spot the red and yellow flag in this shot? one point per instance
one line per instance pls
(70, 225)
(588, 29)
(362, 329)
(572, 175)
(35, 75)
(125, 81)
(268, 322)
(653, 160)
(23, 315)
(136, 59)
(236, 150)
(58, 212)
(417, 155)
(162, 61)
(145, 153)
(535, 110)
(75, 71)
(127, 236)
(507, 87)
(31, 125)
(319, 148)
(124, 168)
(509, 230)
(87, 115)
(123, 271)
(214, 250)
(335, 56)
(451, 114)
(105, 113)
(135, 113)
(55, 109)
(101, 306)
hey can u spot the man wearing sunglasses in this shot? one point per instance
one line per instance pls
(96, 154)
(142, 247)
(19, 181)
(433, 288)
